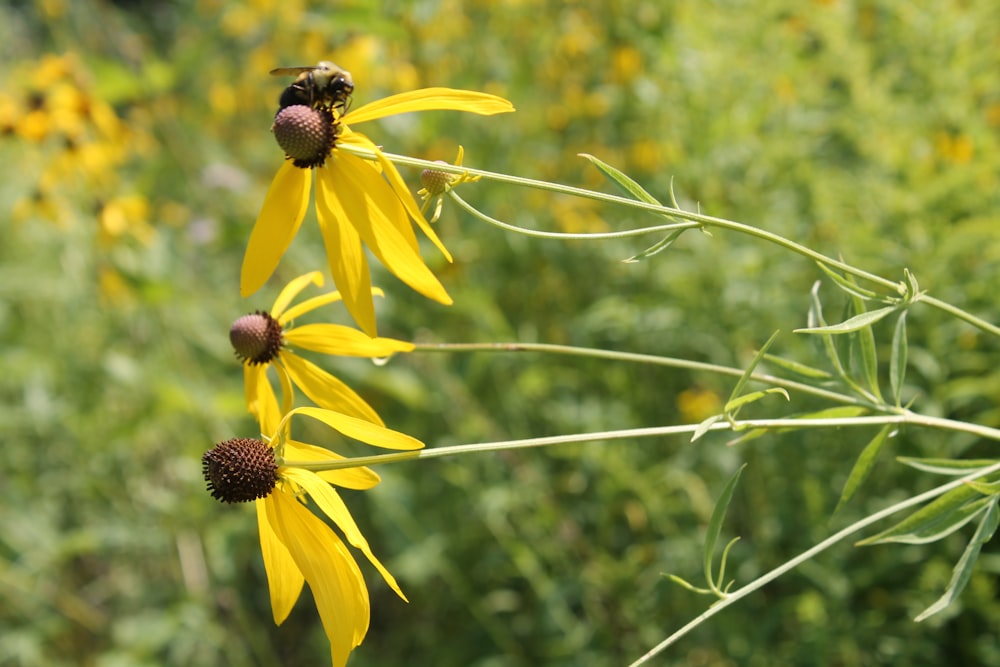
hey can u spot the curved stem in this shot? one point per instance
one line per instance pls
(633, 357)
(653, 431)
(471, 210)
(897, 287)
(837, 537)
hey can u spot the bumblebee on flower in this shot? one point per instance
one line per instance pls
(359, 202)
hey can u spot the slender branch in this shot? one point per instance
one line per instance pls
(644, 359)
(897, 286)
(837, 537)
(595, 236)
(653, 431)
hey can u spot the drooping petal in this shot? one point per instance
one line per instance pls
(359, 429)
(427, 99)
(260, 397)
(284, 580)
(398, 186)
(292, 289)
(334, 577)
(312, 304)
(333, 506)
(403, 192)
(325, 390)
(343, 341)
(348, 264)
(280, 217)
(359, 478)
(373, 209)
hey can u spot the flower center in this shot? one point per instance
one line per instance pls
(307, 135)
(256, 338)
(240, 470)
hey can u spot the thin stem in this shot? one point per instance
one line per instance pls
(535, 233)
(644, 359)
(633, 203)
(654, 431)
(837, 537)
(896, 287)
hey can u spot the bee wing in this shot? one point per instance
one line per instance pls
(285, 71)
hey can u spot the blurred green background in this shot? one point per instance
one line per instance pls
(137, 152)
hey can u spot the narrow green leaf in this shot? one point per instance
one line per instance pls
(963, 568)
(797, 368)
(837, 412)
(815, 319)
(936, 520)
(863, 466)
(691, 587)
(953, 467)
(855, 323)
(739, 402)
(869, 358)
(628, 186)
(703, 427)
(985, 488)
(715, 522)
(897, 359)
(847, 285)
(738, 389)
(720, 580)
(673, 198)
(656, 248)
(914, 288)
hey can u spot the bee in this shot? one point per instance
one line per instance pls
(324, 86)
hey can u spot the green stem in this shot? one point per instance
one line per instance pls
(643, 359)
(837, 537)
(896, 287)
(653, 431)
(472, 210)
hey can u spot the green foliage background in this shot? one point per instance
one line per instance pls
(867, 129)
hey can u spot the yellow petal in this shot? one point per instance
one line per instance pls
(333, 506)
(375, 212)
(333, 576)
(427, 99)
(359, 429)
(348, 264)
(279, 220)
(403, 192)
(284, 580)
(292, 289)
(325, 390)
(359, 478)
(312, 304)
(344, 341)
(262, 402)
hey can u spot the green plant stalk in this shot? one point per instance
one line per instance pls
(652, 431)
(837, 537)
(633, 357)
(538, 234)
(897, 287)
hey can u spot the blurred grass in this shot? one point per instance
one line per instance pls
(869, 129)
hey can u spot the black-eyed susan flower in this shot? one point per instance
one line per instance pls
(298, 547)
(359, 203)
(265, 339)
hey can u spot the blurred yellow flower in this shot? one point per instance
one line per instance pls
(265, 339)
(358, 203)
(297, 546)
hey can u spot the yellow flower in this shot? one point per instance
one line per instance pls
(298, 547)
(358, 203)
(265, 339)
